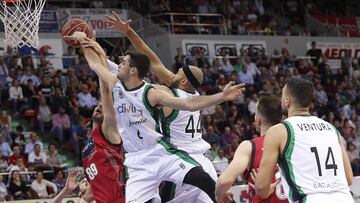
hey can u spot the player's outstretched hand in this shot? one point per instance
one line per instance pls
(118, 24)
(232, 92)
(71, 184)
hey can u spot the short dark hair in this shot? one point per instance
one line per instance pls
(301, 90)
(140, 61)
(269, 107)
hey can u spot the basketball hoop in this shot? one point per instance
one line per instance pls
(21, 21)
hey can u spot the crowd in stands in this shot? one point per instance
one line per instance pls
(277, 17)
(336, 98)
(40, 102)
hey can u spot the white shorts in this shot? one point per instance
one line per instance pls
(188, 193)
(335, 197)
(148, 168)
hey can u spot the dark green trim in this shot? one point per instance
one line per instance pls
(282, 155)
(337, 132)
(303, 115)
(295, 192)
(183, 155)
(167, 120)
(145, 99)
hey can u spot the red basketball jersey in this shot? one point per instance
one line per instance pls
(104, 168)
(278, 196)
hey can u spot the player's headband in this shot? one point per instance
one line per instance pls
(190, 76)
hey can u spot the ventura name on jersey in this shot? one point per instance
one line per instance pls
(314, 126)
(89, 149)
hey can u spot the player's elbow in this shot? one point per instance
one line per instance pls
(223, 182)
(262, 190)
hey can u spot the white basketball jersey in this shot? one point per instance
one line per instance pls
(311, 161)
(136, 119)
(183, 128)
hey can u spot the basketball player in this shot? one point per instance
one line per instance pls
(103, 154)
(150, 158)
(248, 155)
(314, 164)
(181, 128)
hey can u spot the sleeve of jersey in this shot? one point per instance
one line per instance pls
(113, 67)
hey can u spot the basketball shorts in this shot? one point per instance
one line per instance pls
(334, 197)
(148, 168)
(188, 193)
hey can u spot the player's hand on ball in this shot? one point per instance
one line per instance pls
(118, 24)
(77, 36)
(232, 92)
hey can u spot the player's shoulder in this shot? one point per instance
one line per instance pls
(162, 88)
(245, 146)
(277, 131)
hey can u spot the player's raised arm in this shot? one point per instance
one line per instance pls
(109, 126)
(230, 93)
(273, 139)
(96, 58)
(235, 169)
(157, 66)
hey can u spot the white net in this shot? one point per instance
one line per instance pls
(21, 22)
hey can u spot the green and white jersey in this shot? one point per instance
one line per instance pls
(311, 161)
(183, 128)
(136, 119)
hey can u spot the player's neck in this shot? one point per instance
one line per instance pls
(264, 129)
(132, 83)
(298, 111)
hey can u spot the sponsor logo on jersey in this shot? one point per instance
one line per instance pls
(128, 108)
(137, 122)
(328, 185)
(89, 149)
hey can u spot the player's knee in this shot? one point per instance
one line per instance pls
(197, 174)
(199, 178)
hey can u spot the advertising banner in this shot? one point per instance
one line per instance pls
(334, 51)
(214, 48)
(346, 25)
(49, 21)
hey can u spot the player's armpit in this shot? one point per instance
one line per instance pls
(235, 169)
(274, 138)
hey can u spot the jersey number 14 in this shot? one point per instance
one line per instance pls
(331, 165)
(190, 127)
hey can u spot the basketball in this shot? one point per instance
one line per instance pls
(73, 25)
